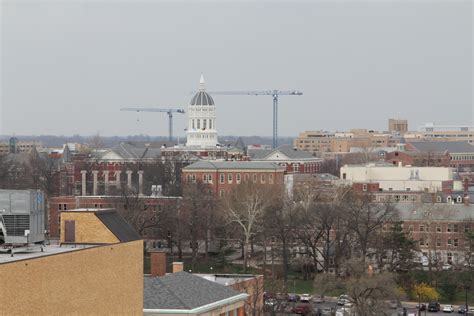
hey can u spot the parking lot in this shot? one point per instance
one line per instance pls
(283, 307)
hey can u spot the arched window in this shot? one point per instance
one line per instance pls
(449, 199)
(459, 199)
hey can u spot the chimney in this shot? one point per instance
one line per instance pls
(466, 185)
(467, 200)
(157, 263)
(177, 267)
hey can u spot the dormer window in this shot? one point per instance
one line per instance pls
(459, 199)
(449, 199)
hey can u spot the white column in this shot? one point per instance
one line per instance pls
(84, 191)
(106, 182)
(129, 178)
(94, 183)
(117, 178)
(140, 182)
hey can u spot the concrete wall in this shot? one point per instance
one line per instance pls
(104, 280)
(89, 229)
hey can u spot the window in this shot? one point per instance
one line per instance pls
(344, 176)
(64, 206)
(466, 228)
(449, 256)
(270, 178)
(439, 199)
(449, 199)
(449, 228)
(237, 178)
(193, 177)
(204, 125)
(204, 178)
(422, 228)
(422, 241)
(459, 199)
(59, 206)
(262, 178)
(198, 124)
(193, 127)
(450, 242)
(247, 177)
(254, 178)
(455, 242)
(229, 177)
(455, 228)
(438, 242)
(222, 178)
(364, 187)
(438, 229)
(221, 193)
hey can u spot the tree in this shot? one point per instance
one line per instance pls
(198, 203)
(424, 292)
(244, 207)
(365, 220)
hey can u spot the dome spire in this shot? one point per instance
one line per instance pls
(202, 83)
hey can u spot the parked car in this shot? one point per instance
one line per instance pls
(326, 311)
(447, 267)
(421, 306)
(306, 298)
(434, 307)
(343, 299)
(270, 302)
(318, 299)
(462, 309)
(293, 297)
(302, 309)
(448, 308)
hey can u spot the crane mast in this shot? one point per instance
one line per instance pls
(274, 94)
(167, 111)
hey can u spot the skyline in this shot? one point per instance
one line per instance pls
(67, 68)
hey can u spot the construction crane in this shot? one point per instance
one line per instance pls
(167, 111)
(274, 94)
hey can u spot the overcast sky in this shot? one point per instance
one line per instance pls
(67, 67)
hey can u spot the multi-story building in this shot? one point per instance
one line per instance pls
(386, 177)
(294, 160)
(14, 146)
(397, 126)
(341, 142)
(430, 131)
(461, 153)
(223, 176)
(439, 229)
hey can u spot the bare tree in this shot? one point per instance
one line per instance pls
(245, 207)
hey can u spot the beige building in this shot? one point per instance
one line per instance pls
(343, 142)
(74, 280)
(397, 126)
(447, 133)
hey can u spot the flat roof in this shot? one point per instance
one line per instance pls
(26, 253)
(226, 279)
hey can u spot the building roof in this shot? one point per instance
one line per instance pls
(451, 147)
(214, 165)
(33, 252)
(287, 150)
(117, 225)
(134, 151)
(434, 211)
(183, 291)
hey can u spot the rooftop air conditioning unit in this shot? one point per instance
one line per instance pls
(21, 217)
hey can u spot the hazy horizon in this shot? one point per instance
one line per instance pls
(67, 67)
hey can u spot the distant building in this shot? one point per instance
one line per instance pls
(294, 160)
(418, 159)
(15, 146)
(201, 131)
(431, 131)
(397, 126)
(461, 154)
(321, 142)
(223, 176)
(381, 178)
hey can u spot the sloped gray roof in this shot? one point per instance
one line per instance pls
(451, 147)
(117, 225)
(434, 211)
(213, 165)
(182, 290)
(287, 150)
(129, 151)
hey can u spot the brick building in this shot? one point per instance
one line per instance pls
(223, 176)
(293, 159)
(439, 229)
